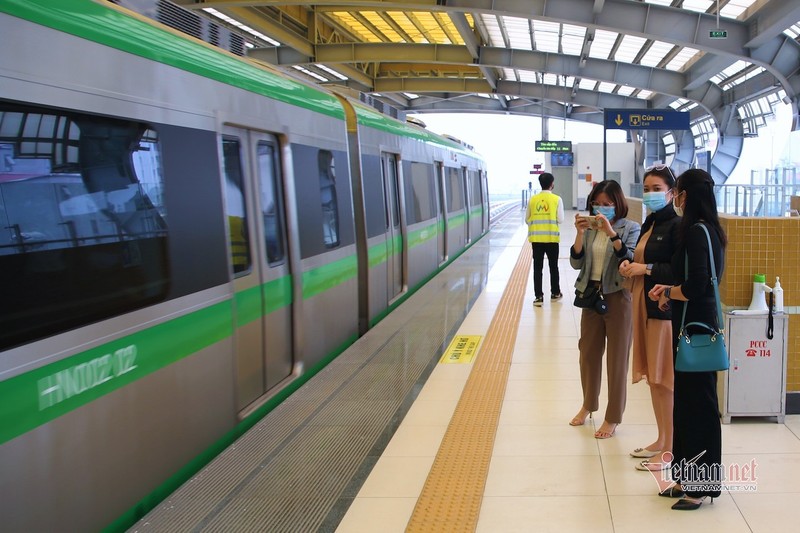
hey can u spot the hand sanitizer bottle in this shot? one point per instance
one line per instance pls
(777, 292)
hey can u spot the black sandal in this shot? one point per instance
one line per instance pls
(689, 504)
(672, 492)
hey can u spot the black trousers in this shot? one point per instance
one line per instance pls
(540, 249)
(697, 434)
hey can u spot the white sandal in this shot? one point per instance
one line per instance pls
(644, 453)
(647, 466)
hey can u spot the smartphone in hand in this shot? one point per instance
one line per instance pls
(592, 221)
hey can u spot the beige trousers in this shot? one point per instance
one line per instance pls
(611, 334)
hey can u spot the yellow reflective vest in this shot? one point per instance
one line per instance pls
(542, 217)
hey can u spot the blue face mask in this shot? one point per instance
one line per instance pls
(655, 200)
(607, 211)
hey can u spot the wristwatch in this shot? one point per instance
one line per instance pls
(616, 237)
(667, 291)
(649, 269)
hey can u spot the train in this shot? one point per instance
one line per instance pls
(186, 236)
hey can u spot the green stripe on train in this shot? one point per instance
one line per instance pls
(108, 26)
(422, 235)
(457, 220)
(275, 294)
(171, 484)
(371, 118)
(129, 518)
(44, 394)
(49, 392)
(379, 253)
(326, 277)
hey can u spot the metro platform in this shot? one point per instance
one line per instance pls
(397, 435)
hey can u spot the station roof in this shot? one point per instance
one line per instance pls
(557, 58)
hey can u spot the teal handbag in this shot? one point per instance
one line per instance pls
(701, 351)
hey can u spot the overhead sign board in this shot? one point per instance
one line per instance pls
(717, 34)
(646, 119)
(553, 146)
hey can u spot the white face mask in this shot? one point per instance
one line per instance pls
(678, 210)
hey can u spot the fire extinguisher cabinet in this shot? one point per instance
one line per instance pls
(755, 383)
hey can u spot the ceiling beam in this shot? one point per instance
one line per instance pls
(510, 88)
(758, 40)
(677, 26)
(770, 21)
(640, 77)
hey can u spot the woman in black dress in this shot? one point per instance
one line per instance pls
(697, 437)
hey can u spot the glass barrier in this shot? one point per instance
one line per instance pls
(756, 200)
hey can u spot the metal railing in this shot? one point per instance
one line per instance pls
(755, 200)
(498, 208)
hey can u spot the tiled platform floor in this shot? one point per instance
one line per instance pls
(548, 476)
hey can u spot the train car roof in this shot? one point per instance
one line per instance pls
(372, 118)
(110, 25)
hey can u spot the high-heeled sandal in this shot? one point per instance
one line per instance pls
(672, 492)
(577, 421)
(689, 504)
(606, 434)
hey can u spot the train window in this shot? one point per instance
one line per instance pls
(423, 192)
(390, 163)
(455, 190)
(475, 187)
(330, 205)
(235, 207)
(83, 223)
(271, 204)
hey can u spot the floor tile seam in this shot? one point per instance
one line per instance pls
(449, 457)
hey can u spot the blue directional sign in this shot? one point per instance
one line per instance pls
(646, 119)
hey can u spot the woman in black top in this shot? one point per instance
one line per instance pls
(652, 327)
(697, 438)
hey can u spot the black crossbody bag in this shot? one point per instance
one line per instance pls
(591, 298)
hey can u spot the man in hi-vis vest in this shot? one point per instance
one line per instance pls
(545, 213)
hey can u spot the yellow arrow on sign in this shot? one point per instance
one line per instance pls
(619, 120)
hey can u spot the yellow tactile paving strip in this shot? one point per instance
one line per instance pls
(451, 498)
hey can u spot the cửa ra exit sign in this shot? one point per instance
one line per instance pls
(718, 34)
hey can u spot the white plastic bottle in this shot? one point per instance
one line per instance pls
(777, 292)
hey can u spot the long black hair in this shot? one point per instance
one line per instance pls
(699, 202)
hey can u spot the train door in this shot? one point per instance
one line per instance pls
(394, 236)
(476, 201)
(467, 205)
(484, 202)
(262, 277)
(441, 215)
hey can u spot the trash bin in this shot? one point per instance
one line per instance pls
(755, 383)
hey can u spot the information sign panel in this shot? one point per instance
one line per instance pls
(646, 119)
(553, 146)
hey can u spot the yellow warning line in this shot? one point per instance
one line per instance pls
(451, 498)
